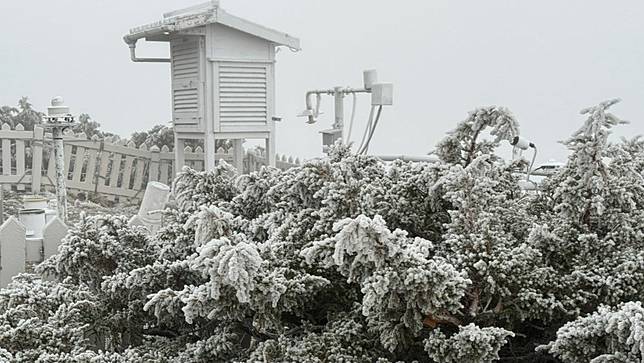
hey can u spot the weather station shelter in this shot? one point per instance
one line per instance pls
(223, 77)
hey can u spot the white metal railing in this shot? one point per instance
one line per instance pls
(109, 167)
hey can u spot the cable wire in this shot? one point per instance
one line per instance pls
(373, 129)
(534, 157)
(366, 131)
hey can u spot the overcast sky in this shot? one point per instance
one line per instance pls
(544, 60)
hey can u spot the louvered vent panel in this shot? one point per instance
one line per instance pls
(185, 59)
(186, 100)
(186, 81)
(242, 93)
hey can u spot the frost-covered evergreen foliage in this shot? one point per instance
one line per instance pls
(349, 259)
(608, 335)
(400, 284)
(469, 340)
(465, 143)
(46, 318)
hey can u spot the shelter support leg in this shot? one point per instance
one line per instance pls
(270, 150)
(238, 155)
(179, 154)
(209, 152)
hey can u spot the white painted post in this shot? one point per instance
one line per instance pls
(270, 150)
(53, 234)
(138, 173)
(6, 156)
(238, 155)
(12, 250)
(127, 170)
(20, 158)
(209, 151)
(155, 159)
(36, 163)
(164, 178)
(179, 154)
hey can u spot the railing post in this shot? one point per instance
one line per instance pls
(6, 155)
(20, 159)
(165, 176)
(36, 161)
(155, 158)
(140, 167)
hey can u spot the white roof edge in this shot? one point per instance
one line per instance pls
(257, 30)
(211, 16)
(212, 4)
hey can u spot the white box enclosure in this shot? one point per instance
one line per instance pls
(223, 77)
(242, 82)
(186, 54)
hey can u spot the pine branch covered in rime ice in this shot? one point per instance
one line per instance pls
(464, 144)
(349, 259)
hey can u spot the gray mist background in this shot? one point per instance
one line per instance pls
(545, 60)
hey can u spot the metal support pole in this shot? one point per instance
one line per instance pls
(238, 155)
(338, 93)
(329, 137)
(1, 206)
(59, 118)
(61, 189)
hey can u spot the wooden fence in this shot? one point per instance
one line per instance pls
(109, 167)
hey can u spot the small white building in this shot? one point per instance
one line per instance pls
(223, 77)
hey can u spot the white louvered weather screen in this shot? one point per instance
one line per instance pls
(243, 94)
(186, 83)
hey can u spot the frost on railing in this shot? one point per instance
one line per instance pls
(111, 167)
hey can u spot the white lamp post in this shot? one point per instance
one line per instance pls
(58, 119)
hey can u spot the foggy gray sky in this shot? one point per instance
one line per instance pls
(545, 60)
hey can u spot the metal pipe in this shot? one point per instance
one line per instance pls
(347, 91)
(146, 60)
(331, 92)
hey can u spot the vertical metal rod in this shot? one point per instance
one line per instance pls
(338, 92)
(61, 189)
